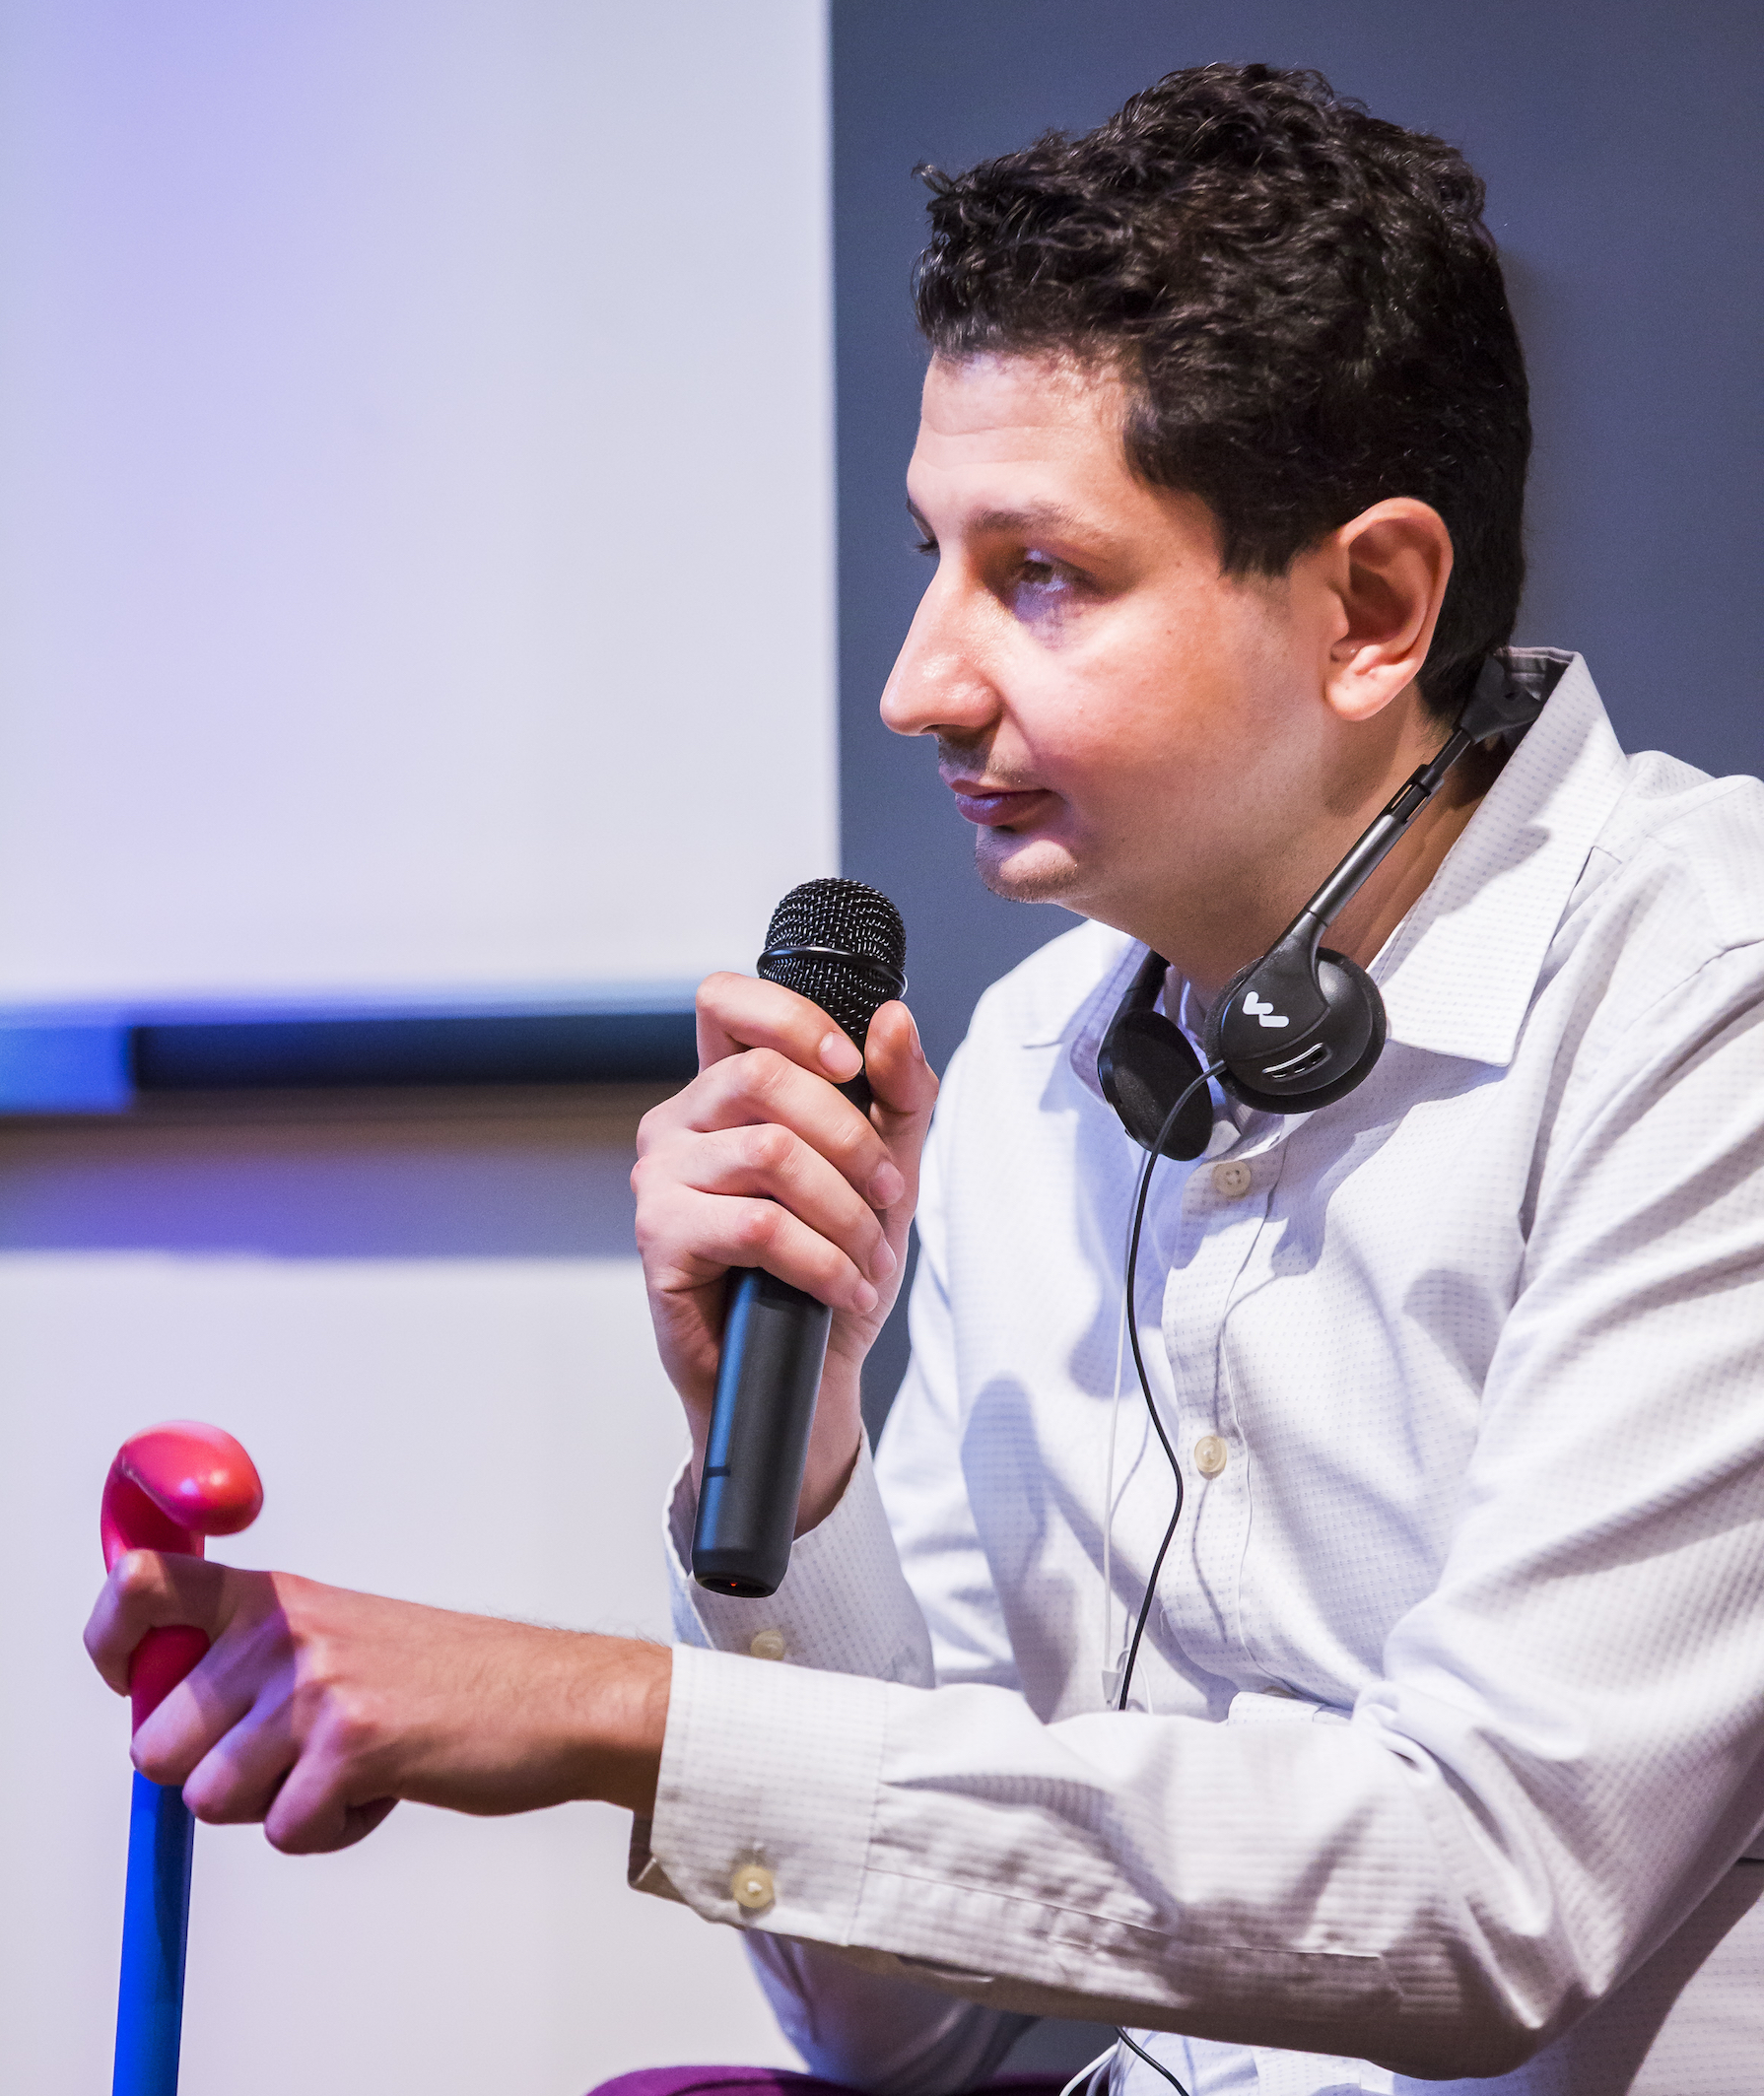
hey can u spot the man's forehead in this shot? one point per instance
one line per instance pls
(1030, 446)
(1018, 441)
(1019, 406)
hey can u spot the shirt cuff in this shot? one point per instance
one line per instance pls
(949, 1838)
(844, 1606)
(720, 1840)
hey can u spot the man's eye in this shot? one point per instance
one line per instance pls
(1044, 590)
(1042, 579)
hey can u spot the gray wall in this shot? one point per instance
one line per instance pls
(1625, 166)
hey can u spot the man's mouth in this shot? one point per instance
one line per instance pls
(1000, 807)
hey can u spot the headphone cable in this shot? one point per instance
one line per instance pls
(1176, 1469)
(1133, 2046)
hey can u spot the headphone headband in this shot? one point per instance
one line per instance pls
(1301, 1026)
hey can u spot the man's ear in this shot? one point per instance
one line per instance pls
(1385, 572)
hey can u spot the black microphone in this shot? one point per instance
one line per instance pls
(843, 946)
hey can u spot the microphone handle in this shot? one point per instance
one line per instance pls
(773, 1349)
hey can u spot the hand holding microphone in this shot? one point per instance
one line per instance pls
(761, 1165)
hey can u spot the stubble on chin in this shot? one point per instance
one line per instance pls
(1024, 876)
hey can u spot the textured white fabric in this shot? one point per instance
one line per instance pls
(1449, 1720)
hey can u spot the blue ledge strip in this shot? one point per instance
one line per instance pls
(104, 1065)
(65, 1069)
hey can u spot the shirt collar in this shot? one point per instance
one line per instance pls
(1459, 972)
(1090, 1021)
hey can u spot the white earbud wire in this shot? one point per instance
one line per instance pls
(1111, 1659)
(1081, 2078)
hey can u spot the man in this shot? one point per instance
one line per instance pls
(1445, 1742)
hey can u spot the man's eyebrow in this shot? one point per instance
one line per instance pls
(1024, 522)
(1030, 518)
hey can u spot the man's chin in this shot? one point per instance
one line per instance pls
(1030, 870)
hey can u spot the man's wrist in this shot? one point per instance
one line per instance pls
(833, 1447)
(623, 1702)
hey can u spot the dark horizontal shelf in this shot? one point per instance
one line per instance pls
(296, 1054)
(76, 1064)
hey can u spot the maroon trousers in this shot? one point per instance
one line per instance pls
(776, 2082)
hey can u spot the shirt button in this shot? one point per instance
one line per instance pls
(1209, 1454)
(768, 1644)
(1233, 1179)
(753, 1888)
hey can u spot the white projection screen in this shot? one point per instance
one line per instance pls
(416, 572)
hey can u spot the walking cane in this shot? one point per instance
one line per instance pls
(169, 1489)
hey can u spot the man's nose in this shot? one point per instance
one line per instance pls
(940, 684)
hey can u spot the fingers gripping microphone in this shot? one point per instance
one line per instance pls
(843, 946)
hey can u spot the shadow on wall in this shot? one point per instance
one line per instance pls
(517, 1178)
(386, 1178)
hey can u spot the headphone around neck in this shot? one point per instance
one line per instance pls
(1303, 1026)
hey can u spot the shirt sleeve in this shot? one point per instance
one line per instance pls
(846, 1608)
(920, 1460)
(1565, 1751)
(844, 1605)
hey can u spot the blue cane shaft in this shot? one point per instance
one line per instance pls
(156, 1917)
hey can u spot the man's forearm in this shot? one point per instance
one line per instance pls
(316, 1709)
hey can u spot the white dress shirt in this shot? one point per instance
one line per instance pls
(1448, 1734)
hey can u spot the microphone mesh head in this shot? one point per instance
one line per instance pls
(863, 961)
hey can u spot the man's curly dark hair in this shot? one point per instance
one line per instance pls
(1305, 304)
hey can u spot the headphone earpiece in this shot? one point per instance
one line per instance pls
(1296, 1030)
(1145, 1064)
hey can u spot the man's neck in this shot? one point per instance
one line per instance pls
(1394, 885)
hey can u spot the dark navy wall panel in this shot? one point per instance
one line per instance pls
(1625, 162)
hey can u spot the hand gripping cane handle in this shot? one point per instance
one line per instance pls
(169, 1489)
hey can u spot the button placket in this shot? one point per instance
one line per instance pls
(1228, 1499)
(1223, 1212)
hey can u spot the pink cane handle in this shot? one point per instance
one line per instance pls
(170, 1487)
